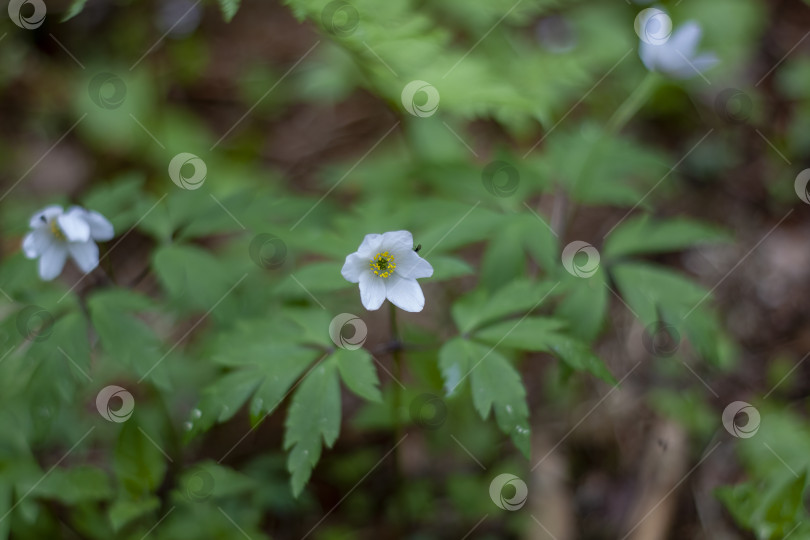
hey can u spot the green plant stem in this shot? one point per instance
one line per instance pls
(396, 355)
(632, 104)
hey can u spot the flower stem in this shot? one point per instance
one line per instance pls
(632, 104)
(396, 355)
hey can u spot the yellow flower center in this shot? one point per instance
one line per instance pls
(56, 231)
(383, 264)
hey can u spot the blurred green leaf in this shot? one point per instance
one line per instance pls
(358, 373)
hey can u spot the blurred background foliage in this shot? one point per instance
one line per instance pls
(212, 306)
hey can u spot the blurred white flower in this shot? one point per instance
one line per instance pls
(677, 56)
(58, 234)
(386, 266)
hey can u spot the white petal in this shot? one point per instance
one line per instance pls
(411, 265)
(397, 242)
(705, 61)
(685, 39)
(36, 242)
(74, 227)
(41, 218)
(353, 267)
(404, 293)
(370, 245)
(52, 261)
(100, 228)
(372, 291)
(649, 55)
(85, 254)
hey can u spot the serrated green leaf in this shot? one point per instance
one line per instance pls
(478, 308)
(579, 356)
(497, 385)
(530, 333)
(584, 304)
(123, 335)
(314, 416)
(229, 8)
(358, 373)
(644, 235)
(454, 363)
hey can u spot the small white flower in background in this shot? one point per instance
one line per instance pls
(675, 55)
(386, 266)
(58, 234)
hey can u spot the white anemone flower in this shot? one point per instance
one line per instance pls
(386, 266)
(677, 57)
(58, 234)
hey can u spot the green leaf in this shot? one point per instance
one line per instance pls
(454, 363)
(578, 355)
(229, 8)
(479, 308)
(124, 511)
(358, 373)
(192, 276)
(585, 305)
(316, 278)
(75, 8)
(543, 334)
(123, 335)
(504, 260)
(530, 333)
(314, 415)
(73, 486)
(138, 464)
(643, 235)
(495, 385)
